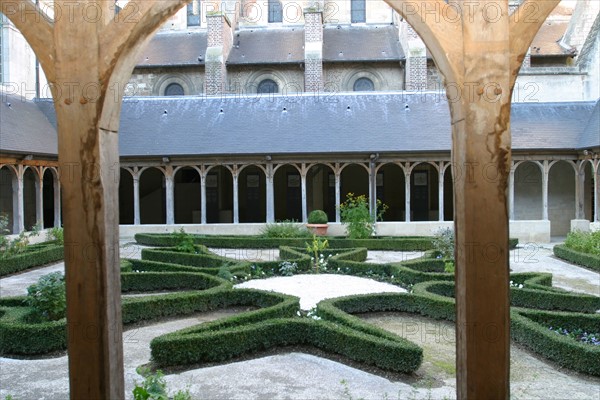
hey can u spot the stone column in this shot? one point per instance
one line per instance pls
(511, 193)
(313, 50)
(219, 43)
(442, 172)
(407, 174)
(170, 195)
(303, 173)
(18, 204)
(57, 200)
(39, 199)
(270, 194)
(338, 194)
(597, 191)
(580, 190)
(236, 198)
(136, 197)
(545, 176)
(203, 198)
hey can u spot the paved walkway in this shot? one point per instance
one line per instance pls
(302, 376)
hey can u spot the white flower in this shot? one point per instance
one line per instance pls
(521, 286)
(298, 313)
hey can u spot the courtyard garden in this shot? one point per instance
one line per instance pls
(194, 309)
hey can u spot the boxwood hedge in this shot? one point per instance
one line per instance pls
(576, 257)
(208, 345)
(531, 328)
(258, 242)
(34, 256)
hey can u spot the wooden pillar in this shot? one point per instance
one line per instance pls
(479, 51)
(86, 55)
(481, 147)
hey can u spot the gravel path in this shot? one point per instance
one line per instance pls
(302, 376)
(313, 288)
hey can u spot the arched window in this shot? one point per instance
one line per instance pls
(364, 85)
(174, 89)
(268, 86)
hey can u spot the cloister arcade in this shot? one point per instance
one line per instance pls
(546, 189)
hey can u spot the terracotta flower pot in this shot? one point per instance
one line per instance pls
(318, 229)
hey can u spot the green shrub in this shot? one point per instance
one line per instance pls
(355, 214)
(577, 257)
(317, 217)
(584, 242)
(285, 229)
(413, 243)
(154, 387)
(32, 256)
(56, 235)
(184, 242)
(531, 328)
(48, 296)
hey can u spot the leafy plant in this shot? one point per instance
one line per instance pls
(317, 217)
(580, 335)
(443, 244)
(355, 213)
(18, 245)
(315, 249)
(154, 387)
(585, 242)
(285, 229)
(48, 296)
(287, 268)
(225, 273)
(56, 234)
(185, 242)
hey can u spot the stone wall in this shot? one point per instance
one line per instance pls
(153, 81)
(339, 77)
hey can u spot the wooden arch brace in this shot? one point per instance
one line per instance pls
(88, 53)
(478, 49)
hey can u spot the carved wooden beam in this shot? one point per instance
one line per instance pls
(36, 27)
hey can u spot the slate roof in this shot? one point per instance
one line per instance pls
(340, 123)
(24, 129)
(546, 42)
(267, 46)
(341, 43)
(361, 43)
(168, 49)
(591, 134)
